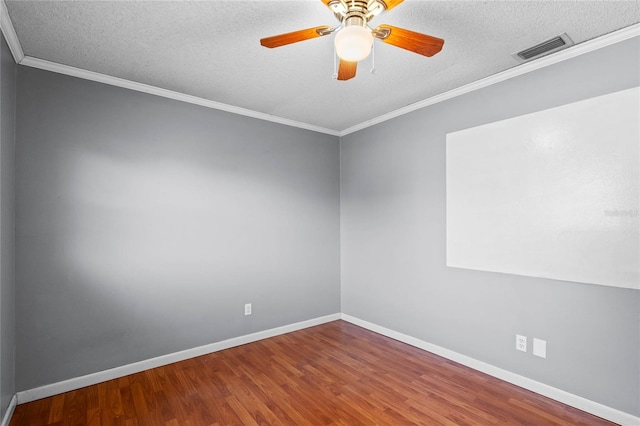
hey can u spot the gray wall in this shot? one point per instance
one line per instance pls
(393, 243)
(7, 224)
(145, 224)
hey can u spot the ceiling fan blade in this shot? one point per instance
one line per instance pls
(347, 70)
(421, 44)
(294, 37)
(390, 4)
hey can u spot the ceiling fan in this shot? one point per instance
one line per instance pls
(354, 37)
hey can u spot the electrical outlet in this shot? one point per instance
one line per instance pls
(247, 308)
(521, 343)
(540, 347)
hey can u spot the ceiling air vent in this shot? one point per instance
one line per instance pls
(552, 45)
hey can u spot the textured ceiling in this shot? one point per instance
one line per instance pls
(210, 49)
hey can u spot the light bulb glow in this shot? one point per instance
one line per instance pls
(353, 43)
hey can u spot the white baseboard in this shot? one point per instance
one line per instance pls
(136, 367)
(578, 402)
(12, 406)
(564, 397)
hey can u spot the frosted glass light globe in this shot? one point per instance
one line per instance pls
(353, 43)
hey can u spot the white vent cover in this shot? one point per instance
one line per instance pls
(546, 47)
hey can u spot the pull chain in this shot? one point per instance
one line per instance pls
(335, 63)
(373, 59)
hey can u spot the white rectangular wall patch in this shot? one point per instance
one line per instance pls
(551, 194)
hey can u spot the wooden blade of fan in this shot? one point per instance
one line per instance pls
(326, 2)
(293, 37)
(347, 70)
(421, 44)
(390, 4)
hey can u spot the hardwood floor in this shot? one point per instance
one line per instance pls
(332, 374)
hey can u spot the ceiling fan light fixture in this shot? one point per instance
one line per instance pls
(354, 38)
(353, 43)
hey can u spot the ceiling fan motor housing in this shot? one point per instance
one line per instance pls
(356, 13)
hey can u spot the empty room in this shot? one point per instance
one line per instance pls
(319, 212)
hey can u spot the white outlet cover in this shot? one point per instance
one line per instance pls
(540, 348)
(247, 309)
(521, 343)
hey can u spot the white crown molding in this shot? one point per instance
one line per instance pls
(136, 367)
(559, 395)
(579, 49)
(19, 57)
(563, 55)
(6, 419)
(10, 33)
(153, 90)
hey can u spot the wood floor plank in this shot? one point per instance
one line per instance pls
(57, 405)
(332, 374)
